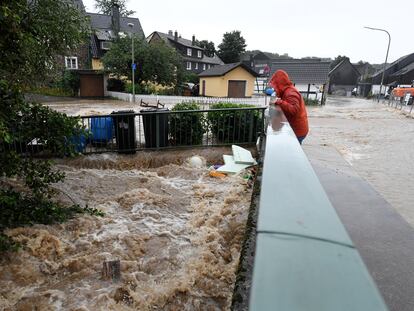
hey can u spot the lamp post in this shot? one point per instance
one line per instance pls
(133, 63)
(386, 57)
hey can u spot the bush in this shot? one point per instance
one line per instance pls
(19, 209)
(116, 85)
(21, 123)
(166, 91)
(188, 128)
(311, 102)
(234, 126)
(143, 88)
(71, 81)
(51, 91)
(191, 78)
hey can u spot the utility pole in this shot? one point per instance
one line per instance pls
(133, 63)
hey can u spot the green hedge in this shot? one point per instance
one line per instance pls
(188, 128)
(234, 126)
(311, 102)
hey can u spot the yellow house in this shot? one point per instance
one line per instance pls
(231, 80)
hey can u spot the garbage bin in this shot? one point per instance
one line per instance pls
(124, 122)
(101, 130)
(155, 127)
(79, 142)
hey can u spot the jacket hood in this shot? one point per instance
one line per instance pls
(280, 81)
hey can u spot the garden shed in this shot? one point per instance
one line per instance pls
(235, 80)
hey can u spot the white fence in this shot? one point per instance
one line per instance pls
(172, 100)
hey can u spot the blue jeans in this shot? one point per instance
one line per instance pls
(301, 138)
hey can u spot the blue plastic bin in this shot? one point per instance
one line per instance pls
(80, 142)
(101, 129)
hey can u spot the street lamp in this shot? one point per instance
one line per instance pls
(386, 57)
(131, 25)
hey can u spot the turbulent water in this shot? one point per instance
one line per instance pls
(376, 140)
(176, 231)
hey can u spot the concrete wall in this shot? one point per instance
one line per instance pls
(218, 86)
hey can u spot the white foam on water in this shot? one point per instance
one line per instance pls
(176, 231)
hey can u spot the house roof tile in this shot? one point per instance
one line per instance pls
(170, 38)
(104, 22)
(303, 72)
(223, 69)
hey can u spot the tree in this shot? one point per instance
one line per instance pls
(155, 62)
(232, 47)
(105, 7)
(32, 34)
(208, 46)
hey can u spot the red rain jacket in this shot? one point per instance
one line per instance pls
(291, 103)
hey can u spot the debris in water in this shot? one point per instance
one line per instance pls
(240, 160)
(196, 162)
(242, 156)
(217, 174)
(111, 270)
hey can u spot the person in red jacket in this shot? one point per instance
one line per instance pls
(291, 103)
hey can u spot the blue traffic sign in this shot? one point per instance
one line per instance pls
(134, 67)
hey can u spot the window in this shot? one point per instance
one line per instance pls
(189, 52)
(204, 66)
(209, 66)
(188, 65)
(106, 45)
(71, 62)
(196, 66)
(199, 54)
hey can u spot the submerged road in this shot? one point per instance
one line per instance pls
(362, 153)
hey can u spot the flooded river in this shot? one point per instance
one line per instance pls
(176, 231)
(376, 140)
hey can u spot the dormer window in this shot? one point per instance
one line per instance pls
(189, 52)
(199, 54)
(106, 45)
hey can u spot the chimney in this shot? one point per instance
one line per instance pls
(193, 41)
(176, 35)
(170, 33)
(115, 19)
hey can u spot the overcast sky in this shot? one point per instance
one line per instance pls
(300, 28)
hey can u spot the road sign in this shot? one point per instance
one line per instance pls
(134, 67)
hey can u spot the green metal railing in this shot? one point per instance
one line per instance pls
(304, 258)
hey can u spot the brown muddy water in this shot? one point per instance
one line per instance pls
(176, 231)
(375, 139)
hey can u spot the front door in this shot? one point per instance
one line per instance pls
(237, 89)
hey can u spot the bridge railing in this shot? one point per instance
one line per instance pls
(304, 258)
